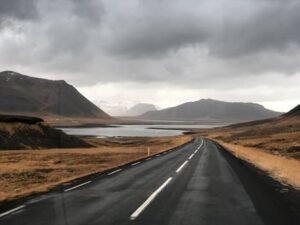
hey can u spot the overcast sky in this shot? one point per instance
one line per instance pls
(164, 52)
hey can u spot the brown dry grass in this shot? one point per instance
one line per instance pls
(279, 137)
(11, 128)
(272, 145)
(23, 172)
(283, 169)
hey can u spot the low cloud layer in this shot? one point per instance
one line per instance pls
(198, 49)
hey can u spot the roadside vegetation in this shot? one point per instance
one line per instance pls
(24, 132)
(284, 169)
(271, 145)
(24, 172)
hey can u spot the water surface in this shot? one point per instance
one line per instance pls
(134, 130)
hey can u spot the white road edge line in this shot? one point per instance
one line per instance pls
(113, 172)
(134, 164)
(149, 200)
(200, 144)
(180, 168)
(191, 156)
(77, 186)
(12, 210)
(148, 159)
(199, 147)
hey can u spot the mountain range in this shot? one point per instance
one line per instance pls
(139, 109)
(209, 109)
(20, 94)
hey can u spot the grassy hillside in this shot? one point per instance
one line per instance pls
(280, 135)
(20, 132)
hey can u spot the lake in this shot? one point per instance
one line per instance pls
(134, 130)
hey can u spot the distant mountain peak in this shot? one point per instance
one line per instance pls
(24, 94)
(16, 75)
(210, 109)
(140, 108)
(208, 100)
(11, 73)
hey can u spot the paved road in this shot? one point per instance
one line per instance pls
(194, 185)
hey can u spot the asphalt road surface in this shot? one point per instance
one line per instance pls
(197, 184)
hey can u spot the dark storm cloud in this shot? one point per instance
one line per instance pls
(71, 29)
(152, 40)
(272, 27)
(227, 29)
(91, 10)
(158, 27)
(59, 39)
(19, 9)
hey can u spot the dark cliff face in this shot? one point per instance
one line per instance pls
(24, 94)
(208, 109)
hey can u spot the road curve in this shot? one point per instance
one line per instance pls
(196, 184)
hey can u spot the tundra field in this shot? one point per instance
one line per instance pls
(24, 172)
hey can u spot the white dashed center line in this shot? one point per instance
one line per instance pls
(12, 210)
(134, 164)
(77, 186)
(181, 167)
(149, 200)
(191, 156)
(113, 172)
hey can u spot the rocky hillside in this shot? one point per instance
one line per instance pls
(20, 94)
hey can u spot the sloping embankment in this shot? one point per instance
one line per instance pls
(22, 132)
(284, 169)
